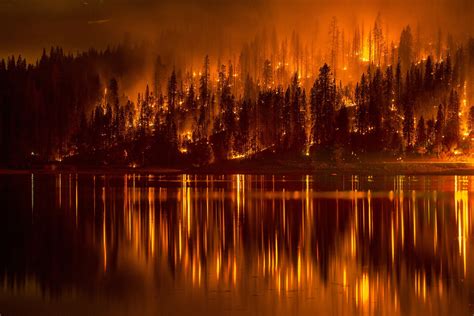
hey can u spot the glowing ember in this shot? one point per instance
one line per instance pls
(238, 156)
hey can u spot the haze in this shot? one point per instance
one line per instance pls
(30, 25)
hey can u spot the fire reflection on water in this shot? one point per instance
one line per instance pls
(391, 245)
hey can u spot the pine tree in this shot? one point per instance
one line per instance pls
(430, 134)
(421, 134)
(428, 80)
(376, 102)
(342, 127)
(409, 125)
(323, 104)
(405, 48)
(296, 129)
(451, 139)
(362, 104)
(439, 129)
(267, 75)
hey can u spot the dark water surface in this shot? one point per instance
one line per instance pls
(255, 245)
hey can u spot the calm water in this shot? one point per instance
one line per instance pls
(255, 245)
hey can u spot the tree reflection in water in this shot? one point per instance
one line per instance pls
(128, 244)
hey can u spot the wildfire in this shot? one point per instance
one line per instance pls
(365, 57)
(236, 156)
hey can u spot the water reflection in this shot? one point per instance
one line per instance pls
(236, 244)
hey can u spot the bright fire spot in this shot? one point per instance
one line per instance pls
(187, 135)
(237, 156)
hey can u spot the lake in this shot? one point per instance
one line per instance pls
(129, 244)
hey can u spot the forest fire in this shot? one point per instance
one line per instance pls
(366, 91)
(213, 157)
(237, 156)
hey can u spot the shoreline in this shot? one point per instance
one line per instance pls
(389, 168)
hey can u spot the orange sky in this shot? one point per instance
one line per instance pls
(30, 25)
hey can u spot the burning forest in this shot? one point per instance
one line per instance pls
(236, 157)
(364, 93)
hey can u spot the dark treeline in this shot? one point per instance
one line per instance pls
(60, 108)
(41, 104)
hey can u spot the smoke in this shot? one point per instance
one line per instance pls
(184, 31)
(29, 25)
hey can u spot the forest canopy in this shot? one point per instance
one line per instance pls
(279, 95)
